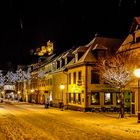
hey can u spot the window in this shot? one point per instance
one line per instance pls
(74, 98)
(94, 77)
(108, 98)
(79, 75)
(80, 54)
(78, 98)
(79, 82)
(69, 97)
(137, 39)
(133, 97)
(118, 98)
(69, 59)
(99, 53)
(62, 62)
(69, 78)
(95, 98)
(58, 64)
(74, 78)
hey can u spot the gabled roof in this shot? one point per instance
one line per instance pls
(99, 43)
(112, 44)
(128, 43)
(69, 53)
(99, 47)
(136, 21)
(80, 49)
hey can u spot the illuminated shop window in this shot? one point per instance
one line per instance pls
(78, 98)
(108, 98)
(95, 98)
(118, 98)
(69, 97)
(74, 98)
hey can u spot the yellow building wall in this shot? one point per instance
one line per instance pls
(58, 79)
(75, 88)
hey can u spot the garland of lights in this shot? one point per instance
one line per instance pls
(11, 78)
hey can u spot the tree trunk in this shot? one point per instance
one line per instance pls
(122, 105)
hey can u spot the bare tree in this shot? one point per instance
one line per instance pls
(117, 71)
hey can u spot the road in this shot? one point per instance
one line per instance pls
(34, 122)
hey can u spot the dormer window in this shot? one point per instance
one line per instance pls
(80, 54)
(62, 62)
(58, 64)
(99, 53)
(138, 39)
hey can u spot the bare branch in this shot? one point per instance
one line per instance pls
(116, 70)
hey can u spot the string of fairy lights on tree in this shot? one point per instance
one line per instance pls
(11, 77)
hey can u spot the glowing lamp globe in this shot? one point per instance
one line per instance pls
(62, 86)
(137, 73)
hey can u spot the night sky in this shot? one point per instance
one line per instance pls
(27, 24)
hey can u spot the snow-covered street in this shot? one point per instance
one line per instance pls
(34, 122)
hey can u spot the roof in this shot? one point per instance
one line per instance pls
(99, 47)
(112, 44)
(136, 21)
(80, 49)
(100, 43)
(129, 43)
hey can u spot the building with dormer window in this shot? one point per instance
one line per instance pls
(75, 70)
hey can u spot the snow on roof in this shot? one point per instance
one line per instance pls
(98, 43)
(80, 49)
(99, 47)
(136, 21)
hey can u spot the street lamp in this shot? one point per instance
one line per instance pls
(62, 88)
(137, 74)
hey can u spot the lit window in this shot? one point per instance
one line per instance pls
(74, 98)
(78, 98)
(118, 98)
(95, 98)
(108, 98)
(69, 97)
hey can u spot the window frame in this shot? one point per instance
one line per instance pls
(93, 93)
(95, 78)
(111, 98)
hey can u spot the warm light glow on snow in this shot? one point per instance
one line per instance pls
(34, 122)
